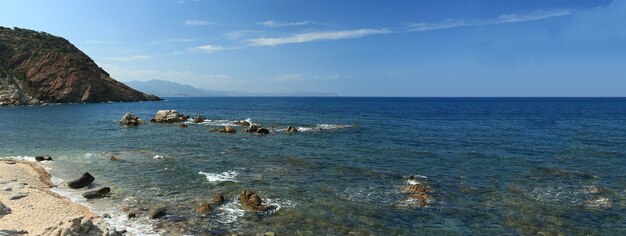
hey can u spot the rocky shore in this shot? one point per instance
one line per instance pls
(26, 204)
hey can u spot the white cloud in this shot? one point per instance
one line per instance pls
(290, 77)
(192, 22)
(129, 58)
(207, 48)
(503, 19)
(276, 24)
(316, 36)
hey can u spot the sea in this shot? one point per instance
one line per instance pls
(494, 166)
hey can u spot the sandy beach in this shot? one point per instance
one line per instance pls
(27, 206)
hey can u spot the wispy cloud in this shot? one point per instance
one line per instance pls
(503, 19)
(192, 22)
(276, 24)
(316, 36)
(178, 40)
(290, 77)
(207, 48)
(129, 58)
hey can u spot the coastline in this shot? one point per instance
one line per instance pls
(30, 206)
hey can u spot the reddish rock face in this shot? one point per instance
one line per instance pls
(52, 70)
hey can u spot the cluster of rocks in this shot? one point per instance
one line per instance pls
(82, 226)
(251, 201)
(169, 116)
(206, 207)
(85, 180)
(418, 191)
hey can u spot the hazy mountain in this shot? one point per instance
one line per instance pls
(164, 88)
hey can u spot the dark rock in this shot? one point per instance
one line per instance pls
(262, 131)
(130, 119)
(198, 119)
(84, 180)
(291, 129)
(156, 213)
(18, 196)
(4, 210)
(132, 215)
(12, 232)
(153, 120)
(183, 126)
(228, 129)
(218, 199)
(97, 193)
(43, 158)
(106, 216)
(203, 208)
(252, 129)
(113, 158)
(250, 201)
(242, 123)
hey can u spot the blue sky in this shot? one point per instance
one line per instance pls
(352, 48)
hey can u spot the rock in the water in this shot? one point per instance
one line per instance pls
(253, 128)
(291, 129)
(43, 158)
(113, 158)
(203, 208)
(418, 190)
(228, 129)
(18, 196)
(97, 193)
(262, 131)
(4, 210)
(132, 215)
(183, 126)
(198, 119)
(242, 123)
(130, 119)
(84, 180)
(599, 202)
(169, 116)
(250, 201)
(218, 199)
(156, 213)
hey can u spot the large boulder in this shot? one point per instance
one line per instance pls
(84, 180)
(130, 119)
(97, 193)
(228, 129)
(250, 201)
(169, 116)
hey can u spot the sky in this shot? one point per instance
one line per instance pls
(435, 48)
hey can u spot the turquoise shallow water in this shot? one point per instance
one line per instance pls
(497, 166)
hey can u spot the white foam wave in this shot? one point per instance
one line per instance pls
(221, 177)
(321, 127)
(231, 212)
(156, 157)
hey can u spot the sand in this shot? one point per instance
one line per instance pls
(37, 210)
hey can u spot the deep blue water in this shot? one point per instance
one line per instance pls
(495, 165)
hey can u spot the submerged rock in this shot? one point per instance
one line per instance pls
(262, 131)
(157, 212)
(250, 201)
(84, 180)
(599, 202)
(291, 129)
(218, 199)
(419, 192)
(198, 119)
(43, 158)
(130, 119)
(253, 128)
(183, 126)
(97, 193)
(228, 129)
(203, 208)
(169, 116)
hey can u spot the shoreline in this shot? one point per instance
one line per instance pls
(28, 204)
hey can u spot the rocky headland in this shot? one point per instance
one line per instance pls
(37, 68)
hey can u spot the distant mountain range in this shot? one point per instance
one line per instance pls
(164, 88)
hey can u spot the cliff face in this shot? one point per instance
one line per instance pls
(36, 67)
